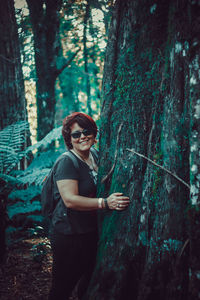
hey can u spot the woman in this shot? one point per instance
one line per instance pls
(74, 234)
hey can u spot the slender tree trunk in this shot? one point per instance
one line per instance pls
(143, 252)
(69, 92)
(45, 23)
(85, 54)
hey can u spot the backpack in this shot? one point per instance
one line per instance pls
(48, 202)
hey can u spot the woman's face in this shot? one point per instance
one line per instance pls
(82, 143)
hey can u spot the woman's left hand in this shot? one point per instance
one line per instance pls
(118, 201)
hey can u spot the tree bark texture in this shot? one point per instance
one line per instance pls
(44, 15)
(150, 104)
(194, 214)
(12, 96)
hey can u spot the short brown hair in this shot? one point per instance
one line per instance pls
(83, 121)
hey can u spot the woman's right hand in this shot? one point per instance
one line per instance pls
(118, 201)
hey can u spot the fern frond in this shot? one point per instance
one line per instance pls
(53, 135)
(23, 208)
(12, 141)
(44, 160)
(11, 180)
(35, 177)
(25, 195)
(35, 219)
(39, 168)
(14, 135)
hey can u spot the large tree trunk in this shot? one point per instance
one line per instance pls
(12, 96)
(146, 108)
(44, 16)
(194, 211)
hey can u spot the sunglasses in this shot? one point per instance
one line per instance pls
(77, 134)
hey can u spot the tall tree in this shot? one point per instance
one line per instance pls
(44, 17)
(85, 54)
(45, 20)
(12, 96)
(149, 120)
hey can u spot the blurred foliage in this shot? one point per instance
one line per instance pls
(71, 94)
(22, 188)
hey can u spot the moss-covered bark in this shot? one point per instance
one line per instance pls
(194, 210)
(144, 251)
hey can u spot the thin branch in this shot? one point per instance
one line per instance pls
(115, 157)
(161, 167)
(67, 63)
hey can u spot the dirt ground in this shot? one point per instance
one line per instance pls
(26, 273)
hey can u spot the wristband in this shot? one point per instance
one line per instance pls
(106, 203)
(100, 202)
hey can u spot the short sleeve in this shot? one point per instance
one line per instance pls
(65, 169)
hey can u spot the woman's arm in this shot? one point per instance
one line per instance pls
(68, 190)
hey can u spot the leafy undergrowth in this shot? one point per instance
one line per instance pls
(26, 273)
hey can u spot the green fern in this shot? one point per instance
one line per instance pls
(35, 177)
(25, 195)
(12, 141)
(23, 208)
(24, 186)
(44, 159)
(24, 201)
(52, 136)
(11, 181)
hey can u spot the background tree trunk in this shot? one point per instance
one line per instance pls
(85, 54)
(148, 106)
(12, 96)
(44, 15)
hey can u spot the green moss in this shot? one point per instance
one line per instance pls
(143, 236)
(108, 233)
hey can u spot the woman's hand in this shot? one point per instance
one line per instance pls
(118, 201)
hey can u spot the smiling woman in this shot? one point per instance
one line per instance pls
(82, 140)
(74, 220)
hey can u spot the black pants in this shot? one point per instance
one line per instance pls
(73, 260)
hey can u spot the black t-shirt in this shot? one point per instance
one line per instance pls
(67, 220)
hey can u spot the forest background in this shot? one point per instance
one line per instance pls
(147, 108)
(51, 64)
(52, 55)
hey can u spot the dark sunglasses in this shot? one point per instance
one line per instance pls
(77, 134)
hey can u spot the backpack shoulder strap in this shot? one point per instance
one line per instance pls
(73, 158)
(95, 153)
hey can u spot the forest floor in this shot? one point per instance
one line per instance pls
(26, 272)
